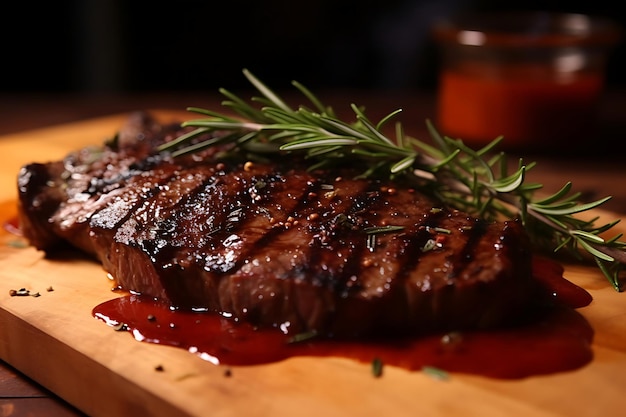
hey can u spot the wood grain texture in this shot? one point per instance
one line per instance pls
(55, 340)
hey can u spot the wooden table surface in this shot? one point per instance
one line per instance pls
(597, 169)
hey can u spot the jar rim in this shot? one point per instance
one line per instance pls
(523, 29)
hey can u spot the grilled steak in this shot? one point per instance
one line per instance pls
(273, 244)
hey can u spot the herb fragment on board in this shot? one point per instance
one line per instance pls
(377, 367)
(17, 243)
(436, 373)
(479, 182)
(302, 337)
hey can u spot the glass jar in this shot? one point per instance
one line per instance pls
(534, 78)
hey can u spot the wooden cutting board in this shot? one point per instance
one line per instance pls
(55, 340)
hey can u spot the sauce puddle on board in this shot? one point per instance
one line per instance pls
(557, 341)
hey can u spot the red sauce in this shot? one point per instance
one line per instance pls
(477, 106)
(557, 341)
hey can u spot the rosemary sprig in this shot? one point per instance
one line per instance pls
(476, 181)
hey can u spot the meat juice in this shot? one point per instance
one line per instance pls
(528, 108)
(558, 339)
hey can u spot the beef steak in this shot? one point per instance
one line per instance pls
(273, 244)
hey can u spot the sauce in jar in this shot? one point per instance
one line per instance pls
(524, 109)
(534, 78)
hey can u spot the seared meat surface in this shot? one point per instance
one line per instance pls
(273, 244)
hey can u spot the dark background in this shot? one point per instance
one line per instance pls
(137, 45)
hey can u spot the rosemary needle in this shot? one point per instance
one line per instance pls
(476, 181)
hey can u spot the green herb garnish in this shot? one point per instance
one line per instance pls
(475, 181)
(377, 367)
(436, 373)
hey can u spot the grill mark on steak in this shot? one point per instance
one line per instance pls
(474, 230)
(127, 227)
(201, 235)
(265, 211)
(414, 247)
(275, 245)
(99, 185)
